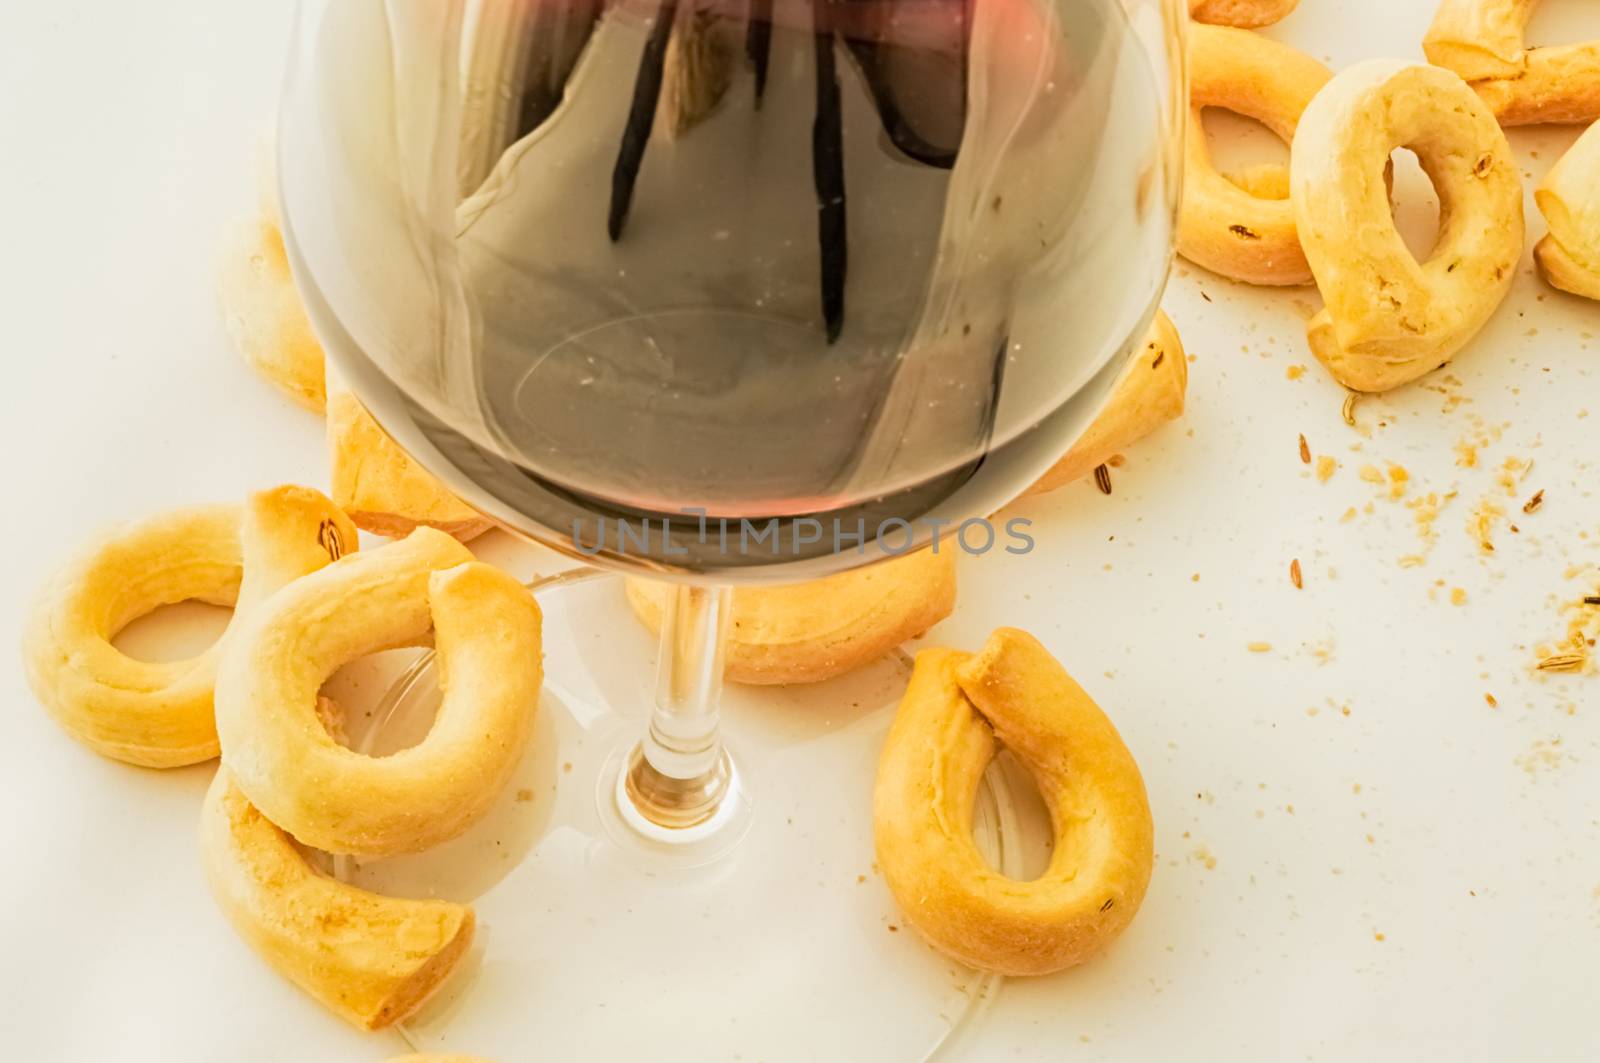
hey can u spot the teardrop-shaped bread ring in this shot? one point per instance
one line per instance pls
(1149, 393)
(486, 632)
(1389, 319)
(1485, 42)
(1221, 226)
(371, 960)
(1246, 14)
(809, 632)
(159, 714)
(1569, 199)
(942, 739)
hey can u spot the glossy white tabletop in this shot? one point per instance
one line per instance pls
(1358, 856)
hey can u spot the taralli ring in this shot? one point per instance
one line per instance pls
(371, 960)
(159, 715)
(1149, 393)
(1484, 42)
(486, 632)
(809, 632)
(1243, 13)
(1222, 226)
(942, 739)
(1569, 199)
(1389, 319)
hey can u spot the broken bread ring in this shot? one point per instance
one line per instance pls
(1389, 319)
(1246, 14)
(486, 633)
(1149, 393)
(809, 632)
(159, 714)
(371, 960)
(263, 312)
(1221, 225)
(1484, 41)
(1569, 198)
(943, 737)
(1227, 225)
(382, 488)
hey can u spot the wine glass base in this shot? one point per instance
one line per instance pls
(771, 938)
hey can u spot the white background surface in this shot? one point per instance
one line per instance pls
(1468, 837)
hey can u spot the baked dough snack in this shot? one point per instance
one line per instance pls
(369, 959)
(1569, 199)
(159, 714)
(1223, 226)
(379, 485)
(1484, 42)
(1243, 13)
(809, 632)
(486, 631)
(263, 312)
(943, 737)
(1149, 393)
(1387, 318)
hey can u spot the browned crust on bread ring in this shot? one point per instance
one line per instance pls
(1246, 14)
(1223, 226)
(1389, 319)
(943, 737)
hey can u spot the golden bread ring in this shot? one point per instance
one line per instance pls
(379, 485)
(369, 959)
(263, 312)
(1387, 318)
(1569, 199)
(1245, 14)
(486, 631)
(1267, 180)
(809, 632)
(1149, 393)
(1223, 226)
(159, 714)
(942, 740)
(1484, 42)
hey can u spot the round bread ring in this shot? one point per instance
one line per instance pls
(809, 632)
(1246, 14)
(942, 739)
(486, 631)
(1388, 319)
(371, 960)
(1569, 199)
(159, 714)
(1221, 225)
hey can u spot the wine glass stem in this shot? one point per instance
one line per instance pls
(679, 773)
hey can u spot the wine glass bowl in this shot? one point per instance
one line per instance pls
(722, 292)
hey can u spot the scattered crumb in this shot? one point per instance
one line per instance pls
(524, 796)
(1541, 756)
(1259, 647)
(1295, 372)
(1203, 857)
(1326, 467)
(1294, 574)
(1458, 596)
(1305, 450)
(1535, 502)
(1490, 699)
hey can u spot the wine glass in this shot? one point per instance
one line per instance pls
(721, 292)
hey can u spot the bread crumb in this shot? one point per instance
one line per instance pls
(1259, 647)
(1458, 596)
(1295, 372)
(1326, 467)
